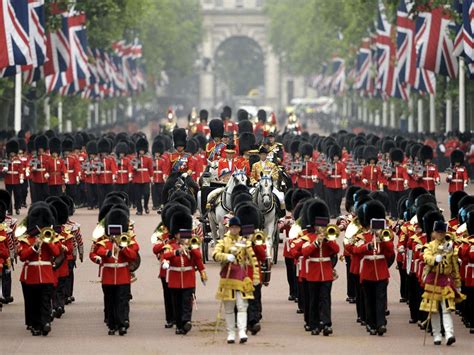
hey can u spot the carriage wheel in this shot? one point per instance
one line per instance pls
(276, 242)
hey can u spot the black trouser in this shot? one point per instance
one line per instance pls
(394, 197)
(334, 199)
(414, 298)
(116, 298)
(70, 279)
(319, 190)
(300, 294)
(55, 190)
(91, 191)
(182, 299)
(24, 192)
(81, 193)
(306, 301)
(291, 276)
(403, 280)
(15, 192)
(142, 191)
(71, 191)
(351, 281)
(168, 301)
(375, 294)
(360, 301)
(156, 191)
(319, 304)
(254, 310)
(468, 313)
(37, 304)
(41, 191)
(102, 191)
(6, 281)
(59, 293)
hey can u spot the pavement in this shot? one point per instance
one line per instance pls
(81, 329)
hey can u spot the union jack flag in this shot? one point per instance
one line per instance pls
(464, 42)
(425, 82)
(14, 29)
(386, 53)
(58, 50)
(338, 77)
(406, 46)
(363, 66)
(436, 52)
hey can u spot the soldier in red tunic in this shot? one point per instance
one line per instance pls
(160, 172)
(106, 170)
(397, 180)
(227, 165)
(89, 172)
(308, 175)
(124, 168)
(36, 250)
(180, 161)
(39, 174)
(116, 252)
(202, 126)
(14, 174)
(142, 173)
(457, 175)
(56, 169)
(430, 177)
(335, 181)
(180, 261)
(371, 173)
(73, 168)
(215, 148)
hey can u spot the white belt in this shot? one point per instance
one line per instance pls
(457, 180)
(428, 178)
(397, 179)
(13, 172)
(105, 172)
(373, 257)
(35, 263)
(122, 171)
(181, 268)
(70, 171)
(315, 260)
(469, 266)
(142, 169)
(158, 171)
(115, 265)
(334, 176)
(41, 169)
(306, 176)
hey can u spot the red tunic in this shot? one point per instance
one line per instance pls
(108, 171)
(116, 271)
(160, 169)
(124, 171)
(318, 259)
(306, 178)
(458, 179)
(14, 172)
(38, 172)
(430, 177)
(398, 180)
(57, 171)
(336, 177)
(73, 169)
(371, 177)
(143, 173)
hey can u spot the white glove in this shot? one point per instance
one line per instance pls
(438, 258)
(185, 175)
(46, 176)
(256, 283)
(165, 265)
(5, 169)
(230, 258)
(22, 181)
(365, 181)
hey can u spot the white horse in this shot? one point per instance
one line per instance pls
(222, 204)
(266, 201)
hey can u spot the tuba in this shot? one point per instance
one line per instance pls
(331, 232)
(47, 235)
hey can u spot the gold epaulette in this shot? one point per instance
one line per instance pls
(24, 239)
(2, 238)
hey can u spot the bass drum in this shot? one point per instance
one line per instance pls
(134, 265)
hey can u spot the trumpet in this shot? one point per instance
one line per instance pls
(386, 235)
(123, 240)
(194, 243)
(259, 238)
(157, 234)
(47, 235)
(21, 228)
(332, 232)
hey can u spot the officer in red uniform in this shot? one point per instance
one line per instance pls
(116, 252)
(226, 116)
(89, 167)
(308, 175)
(124, 168)
(180, 260)
(39, 174)
(430, 177)
(142, 173)
(180, 161)
(246, 140)
(215, 148)
(319, 252)
(73, 168)
(160, 172)
(227, 165)
(22, 155)
(14, 174)
(335, 181)
(106, 171)
(376, 253)
(192, 148)
(371, 173)
(397, 180)
(412, 164)
(81, 154)
(56, 169)
(457, 177)
(202, 126)
(36, 250)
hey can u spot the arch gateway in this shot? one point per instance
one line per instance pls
(242, 23)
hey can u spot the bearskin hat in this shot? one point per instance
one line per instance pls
(203, 115)
(249, 215)
(245, 126)
(298, 195)
(424, 199)
(226, 112)
(454, 202)
(396, 155)
(217, 128)
(295, 146)
(192, 147)
(69, 202)
(262, 115)
(202, 141)
(422, 211)
(141, 144)
(158, 147)
(41, 142)
(242, 115)
(351, 190)
(3, 211)
(91, 147)
(335, 150)
(78, 142)
(121, 148)
(316, 208)
(54, 145)
(370, 153)
(170, 209)
(359, 152)
(117, 216)
(67, 145)
(246, 142)
(425, 153)
(429, 220)
(387, 146)
(22, 145)
(306, 149)
(62, 211)
(237, 199)
(466, 201)
(179, 222)
(40, 215)
(179, 137)
(179, 196)
(370, 210)
(402, 207)
(457, 156)
(12, 146)
(288, 196)
(103, 145)
(380, 196)
(5, 197)
(414, 193)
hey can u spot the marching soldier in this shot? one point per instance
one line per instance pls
(397, 180)
(180, 260)
(116, 252)
(430, 177)
(36, 250)
(124, 168)
(457, 177)
(73, 169)
(180, 161)
(308, 175)
(215, 148)
(39, 173)
(81, 154)
(226, 115)
(6, 276)
(371, 173)
(335, 181)
(106, 170)
(22, 155)
(142, 173)
(56, 169)
(14, 175)
(89, 173)
(4, 252)
(160, 172)
(202, 126)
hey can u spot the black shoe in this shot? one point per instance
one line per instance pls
(46, 329)
(363, 323)
(243, 340)
(111, 332)
(90, 208)
(352, 300)
(471, 331)
(35, 332)
(381, 330)
(299, 311)
(230, 341)
(451, 341)
(180, 332)
(372, 331)
(412, 321)
(347, 299)
(187, 327)
(315, 331)
(291, 298)
(139, 213)
(67, 301)
(17, 212)
(168, 325)
(358, 320)
(403, 300)
(154, 208)
(72, 299)
(29, 327)
(147, 211)
(122, 331)
(126, 324)
(307, 328)
(387, 312)
(437, 342)
(254, 329)
(327, 331)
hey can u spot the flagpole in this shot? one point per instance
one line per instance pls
(89, 116)
(96, 114)
(432, 114)
(384, 114)
(18, 102)
(420, 115)
(60, 115)
(411, 121)
(47, 112)
(392, 114)
(462, 97)
(449, 111)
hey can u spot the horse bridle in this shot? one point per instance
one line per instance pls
(267, 194)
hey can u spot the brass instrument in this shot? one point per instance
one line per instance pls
(388, 169)
(21, 228)
(157, 234)
(386, 235)
(123, 240)
(194, 243)
(296, 165)
(47, 235)
(449, 172)
(259, 237)
(99, 231)
(331, 232)
(35, 163)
